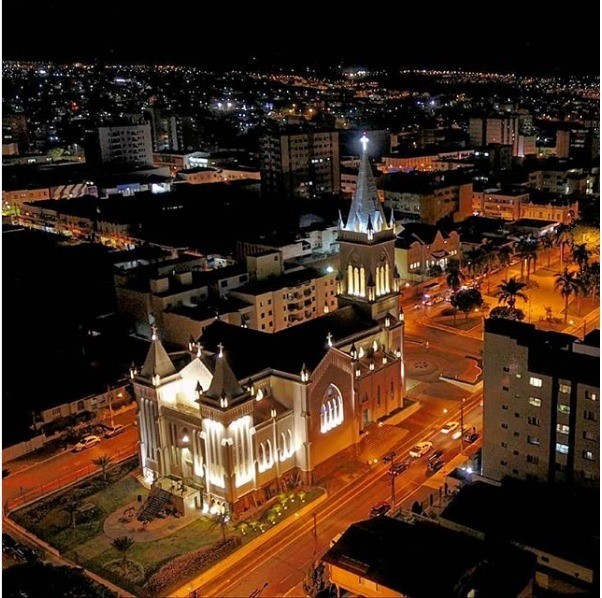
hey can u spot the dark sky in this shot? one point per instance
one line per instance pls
(499, 36)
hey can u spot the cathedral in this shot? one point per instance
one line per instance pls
(241, 413)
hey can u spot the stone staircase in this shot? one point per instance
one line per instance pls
(157, 500)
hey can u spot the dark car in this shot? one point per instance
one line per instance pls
(399, 467)
(380, 508)
(29, 554)
(435, 456)
(389, 456)
(471, 437)
(8, 543)
(436, 465)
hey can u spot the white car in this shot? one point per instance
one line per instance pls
(422, 448)
(86, 442)
(335, 540)
(114, 430)
(450, 427)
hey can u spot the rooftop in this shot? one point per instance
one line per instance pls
(395, 555)
(275, 283)
(417, 231)
(504, 513)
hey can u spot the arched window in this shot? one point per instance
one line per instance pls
(331, 412)
(350, 280)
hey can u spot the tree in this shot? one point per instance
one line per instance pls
(504, 256)
(71, 509)
(454, 275)
(547, 242)
(123, 544)
(594, 273)
(564, 238)
(473, 259)
(467, 300)
(103, 462)
(434, 271)
(316, 580)
(567, 283)
(222, 518)
(527, 250)
(510, 291)
(581, 255)
(490, 257)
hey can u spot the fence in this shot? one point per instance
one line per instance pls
(23, 448)
(64, 481)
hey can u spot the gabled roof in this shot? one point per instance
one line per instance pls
(224, 382)
(157, 361)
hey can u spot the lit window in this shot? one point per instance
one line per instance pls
(533, 440)
(564, 388)
(537, 382)
(588, 455)
(562, 448)
(592, 396)
(535, 401)
(564, 409)
(562, 428)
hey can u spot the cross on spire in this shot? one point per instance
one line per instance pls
(153, 332)
(364, 141)
(220, 346)
(329, 339)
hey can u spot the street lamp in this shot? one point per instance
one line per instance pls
(462, 425)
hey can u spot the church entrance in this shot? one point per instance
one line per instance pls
(366, 419)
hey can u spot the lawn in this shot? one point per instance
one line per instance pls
(86, 543)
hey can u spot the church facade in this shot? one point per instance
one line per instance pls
(242, 412)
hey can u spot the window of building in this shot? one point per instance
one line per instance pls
(515, 471)
(515, 453)
(516, 434)
(504, 463)
(533, 459)
(504, 445)
(562, 448)
(534, 421)
(518, 375)
(535, 401)
(506, 368)
(564, 388)
(537, 382)
(223, 283)
(270, 313)
(564, 409)
(505, 388)
(590, 415)
(592, 396)
(331, 414)
(263, 326)
(589, 455)
(378, 396)
(505, 426)
(261, 304)
(562, 428)
(533, 440)
(587, 435)
(505, 407)
(516, 414)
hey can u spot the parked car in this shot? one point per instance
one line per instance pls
(450, 427)
(389, 456)
(420, 449)
(335, 540)
(8, 542)
(436, 465)
(86, 442)
(471, 437)
(114, 430)
(399, 467)
(380, 508)
(436, 455)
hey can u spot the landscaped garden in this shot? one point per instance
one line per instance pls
(73, 522)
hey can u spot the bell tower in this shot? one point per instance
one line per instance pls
(367, 274)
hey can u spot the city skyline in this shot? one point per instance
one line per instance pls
(447, 38)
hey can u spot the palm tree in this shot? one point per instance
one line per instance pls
(71, 509)
(527, 250)
(586, 282)
(581, 255)
(510, 291)
(547, 242)
(504, 255)
(123, 544)
(563, 239)
(568, 284)
(103, 462)
(594, 273)
(454, 275)
(472, 260)
(490, 257)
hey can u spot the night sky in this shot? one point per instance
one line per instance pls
(500, 36)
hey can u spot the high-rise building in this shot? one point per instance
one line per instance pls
(14, 127)
(164, 129)
(541, 419)
(128, 143)
(499, 128)
(300, 162)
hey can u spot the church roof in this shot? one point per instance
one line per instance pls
(224, 382)
(157, 360)
(250, 351)
(365, 205)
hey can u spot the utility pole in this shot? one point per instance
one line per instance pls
(462, 425)
(315, 533)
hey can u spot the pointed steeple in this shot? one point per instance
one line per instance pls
(224, 382)
(365, 202)
(341, 222)
(392, 219)
(157, 362)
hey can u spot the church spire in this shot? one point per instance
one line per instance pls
(157, 362)
(224, 383)
(365, 204)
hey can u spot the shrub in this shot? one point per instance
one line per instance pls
(187, 565)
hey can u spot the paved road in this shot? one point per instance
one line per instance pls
(65, 464)
(283, 562)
